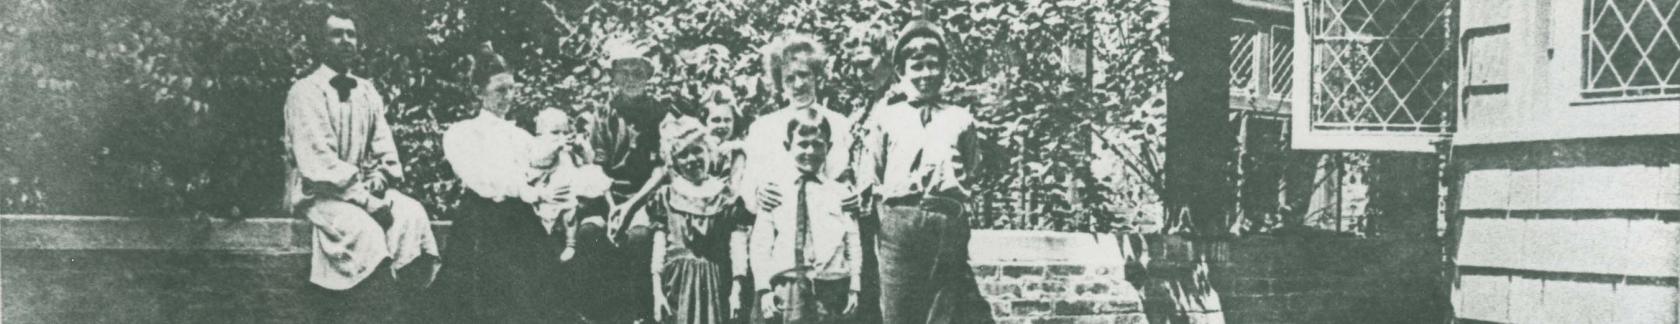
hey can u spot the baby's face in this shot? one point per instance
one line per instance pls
(553, 122)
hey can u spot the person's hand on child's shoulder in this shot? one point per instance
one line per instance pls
(769, 198)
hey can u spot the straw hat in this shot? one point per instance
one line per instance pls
(627, 48)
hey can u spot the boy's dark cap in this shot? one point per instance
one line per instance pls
(913, 30)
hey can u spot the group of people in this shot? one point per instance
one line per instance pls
(640, 212)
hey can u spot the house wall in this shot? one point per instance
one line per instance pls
(1569, 231)
(71, 269)
(1522, 79)
(1568, 208)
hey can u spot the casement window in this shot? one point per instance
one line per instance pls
(1374, 75)
(1629, 49)
(1279, 187)
(1352, 77)
(1262, 64)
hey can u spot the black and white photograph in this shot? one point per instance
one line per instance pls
(840, 161)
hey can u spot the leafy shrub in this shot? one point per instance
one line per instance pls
(137, 107)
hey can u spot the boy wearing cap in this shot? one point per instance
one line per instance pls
(915, 151)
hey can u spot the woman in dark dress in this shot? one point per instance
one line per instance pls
(499, 264)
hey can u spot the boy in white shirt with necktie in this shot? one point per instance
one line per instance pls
(806, 254)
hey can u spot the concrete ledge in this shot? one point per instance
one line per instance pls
(255, 270)
(1174, 250)
(54, 232)
(63, 232)
(1040, 246)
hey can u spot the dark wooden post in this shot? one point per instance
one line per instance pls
(1200, 150)
(2, 273)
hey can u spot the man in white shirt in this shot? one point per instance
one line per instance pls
(343, 159)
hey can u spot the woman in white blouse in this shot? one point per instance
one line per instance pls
(500, 264)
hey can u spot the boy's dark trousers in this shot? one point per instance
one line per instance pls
(809, 300)
(924, 270)
(869, 299)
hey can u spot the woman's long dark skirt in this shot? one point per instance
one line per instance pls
(606, 282)
(925, 275)
(499, 266)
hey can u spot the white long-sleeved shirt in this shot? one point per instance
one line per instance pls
(491, 155)
(766, 154)
(834, 249)
(896, 137)
(329, 142)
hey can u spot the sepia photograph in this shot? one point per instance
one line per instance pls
(840, 161)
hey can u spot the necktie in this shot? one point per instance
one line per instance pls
(927, 115)
(803, 235)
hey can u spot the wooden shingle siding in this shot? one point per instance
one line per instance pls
(1527, 295)
(1594, 245)
(1569, 231)
(1488, 298)
(1486, 189)
(1498, 298)
(1608, 151)
(1630, 187)
(1576, 302)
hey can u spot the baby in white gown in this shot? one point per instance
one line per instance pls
(563, 158)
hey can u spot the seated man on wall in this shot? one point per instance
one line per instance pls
(343, 159)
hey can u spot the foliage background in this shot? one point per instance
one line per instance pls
(172, 107)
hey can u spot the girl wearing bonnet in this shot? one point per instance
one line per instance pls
(696, 219)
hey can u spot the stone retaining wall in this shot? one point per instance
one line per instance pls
(80, 269)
